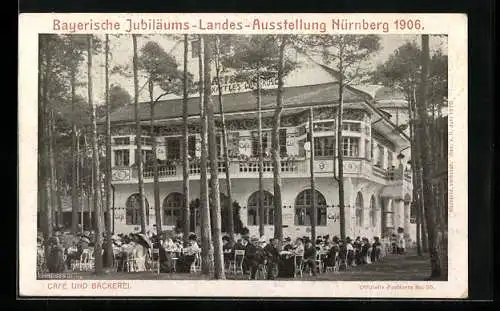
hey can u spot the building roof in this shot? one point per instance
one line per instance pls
(326, 93)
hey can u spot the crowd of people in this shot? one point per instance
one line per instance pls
(134, 252)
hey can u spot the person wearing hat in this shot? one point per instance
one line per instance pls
(288, 244)
(376, 249)
(273, 257)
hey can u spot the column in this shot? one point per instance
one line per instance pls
(389, 214)
(400, 210)
(407, 216)
(378, 220)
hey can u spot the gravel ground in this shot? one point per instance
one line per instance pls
(408, 267)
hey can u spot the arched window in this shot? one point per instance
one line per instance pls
(413, 209)
(359, 210)
(253, 209)
(303, 211)
(172, 208)
(373, 214)
(133, 210)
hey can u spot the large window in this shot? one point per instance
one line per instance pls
(350, 146)
(133, 210)
(172, 208)
(195, 48)
(173, 148)
(324, 146)
(122, 157)
(359, 210)
(254, 211)
(303, 210)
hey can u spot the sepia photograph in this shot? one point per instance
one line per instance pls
(313, 157)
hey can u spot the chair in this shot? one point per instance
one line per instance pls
(236, 265)
(130, 264)
(155, 260)
(298, 264)
(196, 265)
(319, 262)
(335, 266)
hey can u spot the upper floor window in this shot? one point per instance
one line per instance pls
(192, 146)
(389, 159)
(380, 159)
(266, 142)
(122, 157)
(282, 142)
(324, 126)
(350, 146)
(173, 145)
(324, 146)
(351, 126)
(122, 140)
(233, 142)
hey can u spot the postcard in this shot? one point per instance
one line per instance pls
(243, 155)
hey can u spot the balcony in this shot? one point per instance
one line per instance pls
(249, 168)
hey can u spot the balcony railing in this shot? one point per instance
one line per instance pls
(163, 171)
(250, 169)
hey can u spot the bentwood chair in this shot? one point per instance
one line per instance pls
(236, 265)
(155, 260)
(298, 264)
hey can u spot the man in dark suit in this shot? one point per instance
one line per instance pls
(273, 257)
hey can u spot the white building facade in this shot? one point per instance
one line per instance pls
(378, 186)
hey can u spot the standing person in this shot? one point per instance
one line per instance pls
(55, 260)
(401, 241)
(310, 257)
(376, 249)
(273, 257)
(253, 256)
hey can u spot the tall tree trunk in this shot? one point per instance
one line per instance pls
(107, 222)
(207, 252)
(314, 214)
(414, 153)
(260, 211)
(53, 178)
(278, 228)
(214, 172)
(41, 208)
(138, 140)
(340, 154)
(185, 145)
(229, 211)
(426, 156)
(74, 157)
(45, 193)
(95, 159)
(156, 178)
(79, 190)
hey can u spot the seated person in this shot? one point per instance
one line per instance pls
(189, 254)
(227, 249)
(273, 256)
(288, 244)
(299, 247)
